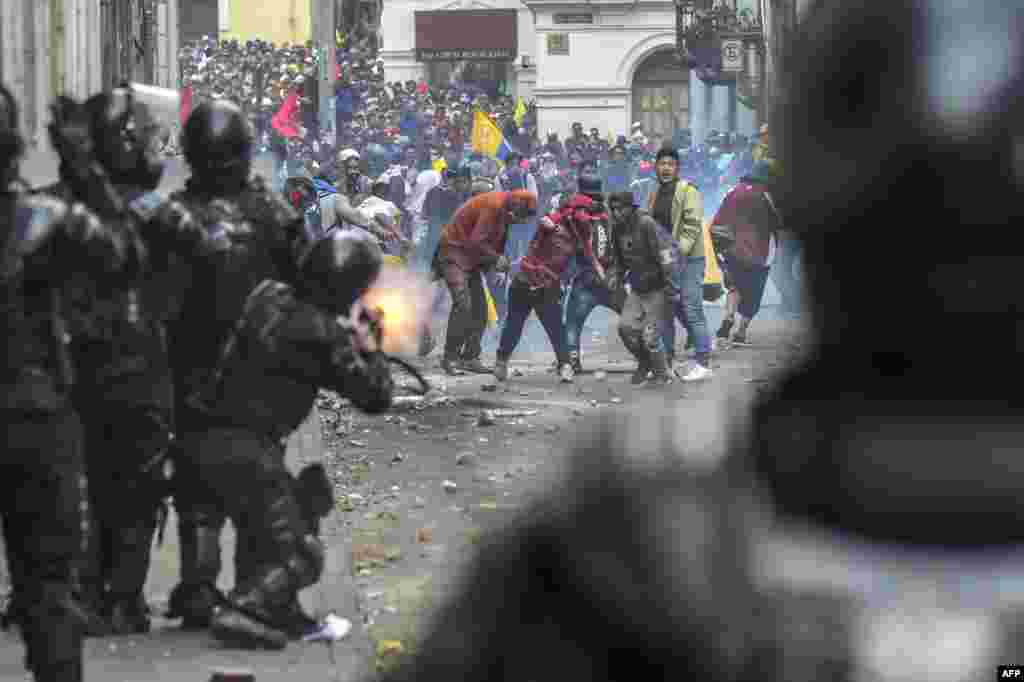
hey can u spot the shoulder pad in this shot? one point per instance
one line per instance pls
(146, 205)
(37, 218)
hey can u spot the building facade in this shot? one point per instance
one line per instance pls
(611, 63)
(604, 63)
(486, 42)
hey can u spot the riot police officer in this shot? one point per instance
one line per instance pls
(290, 341)
(41, 499)
(124, 391)
(253, 235)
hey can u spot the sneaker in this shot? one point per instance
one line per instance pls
(740, 339)
(724, 329)
(450, 369)
(640, 375)
(475, 366)
(501, 370)
(577, 365)
(658, 380)
(698, 372)
(566, 374)
(553, 369)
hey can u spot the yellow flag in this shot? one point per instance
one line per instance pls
(520, 112)
(486, 138)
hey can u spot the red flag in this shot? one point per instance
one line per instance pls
(186, 104)
(284, 120)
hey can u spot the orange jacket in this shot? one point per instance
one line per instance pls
(476, 235)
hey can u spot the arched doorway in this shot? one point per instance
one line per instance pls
(661, 94)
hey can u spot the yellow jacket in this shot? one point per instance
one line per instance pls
(687, 218)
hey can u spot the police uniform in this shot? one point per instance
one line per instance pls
(253, 234)
(41, 497)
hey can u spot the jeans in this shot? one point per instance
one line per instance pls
(468, 318)
(585, 295)
(782, 272)
(749, 281)
(689, 309)
(521, 301)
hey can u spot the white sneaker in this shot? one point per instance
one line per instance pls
(566, 374)
(698, 372)
(501, 370)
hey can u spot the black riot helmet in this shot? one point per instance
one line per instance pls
(12, 145)
(126, 137)
(218, 141)
(339, 269)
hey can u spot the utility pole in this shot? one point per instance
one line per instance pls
(322, 16)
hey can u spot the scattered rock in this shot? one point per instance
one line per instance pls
(509, 474)
(486, 418)
(481, 439)
(398, 457)
(419, 503)
(593, 403)
(374, 595)
(616, 400)
(449, 486)
(356, 498)
(489, 388)
(395, 488)
(577, 412)
(357, 443)
(516, 373)
(551, 428)
(600, 375)
(465, 459)
(425, 536)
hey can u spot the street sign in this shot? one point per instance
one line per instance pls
(574, 18)
(732, 55)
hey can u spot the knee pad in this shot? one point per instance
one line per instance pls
(650, 337)
(314, 492)
(54, 627)
(307, 566)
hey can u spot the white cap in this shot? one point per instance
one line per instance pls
(349, 153)
(637, 124)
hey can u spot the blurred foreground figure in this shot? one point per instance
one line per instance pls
(865, 521)
(44, 241)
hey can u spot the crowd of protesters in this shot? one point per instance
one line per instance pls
(398, 162)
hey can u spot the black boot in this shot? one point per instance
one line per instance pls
(194, 598)
(127, 611)
(660, 377)
(258, 614)
(53, 630)
(640, 375)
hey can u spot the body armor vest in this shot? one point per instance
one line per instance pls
(253, 236)
(36, 371)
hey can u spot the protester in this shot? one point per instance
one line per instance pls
(536, 286)
(676, 206)
(474, 242)
(743, 232)
(647, 254)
